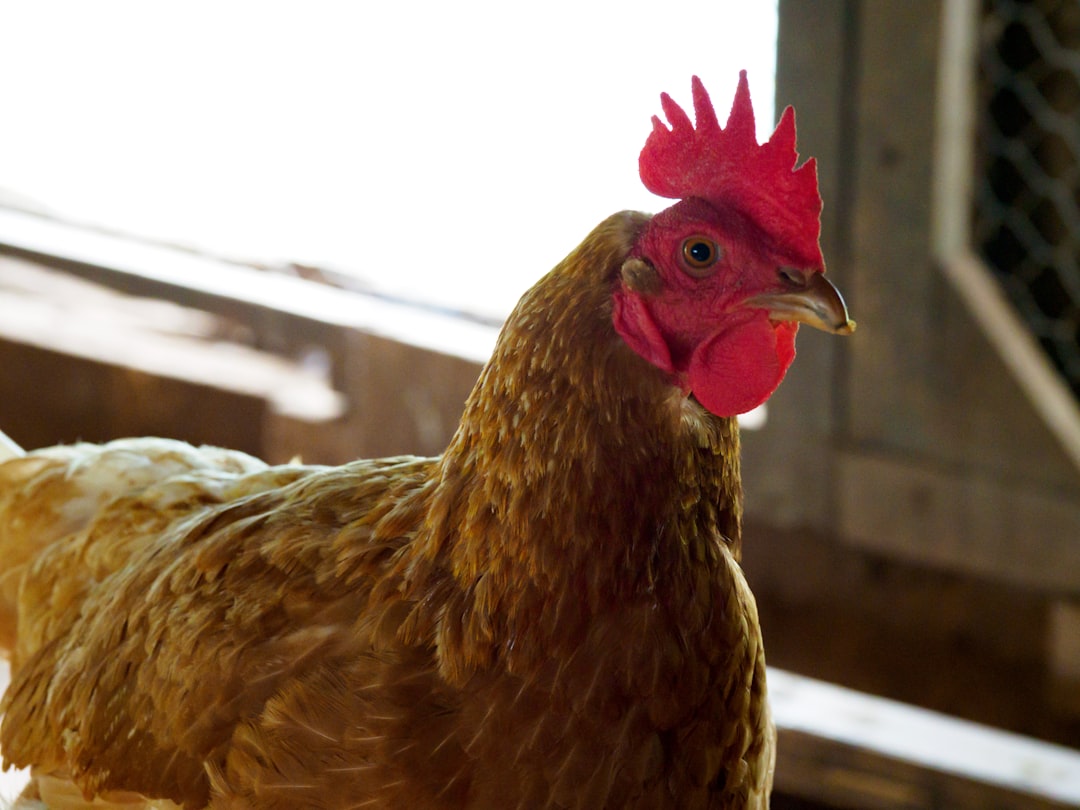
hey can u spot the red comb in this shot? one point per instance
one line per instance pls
(727, 167)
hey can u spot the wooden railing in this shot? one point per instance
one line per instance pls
(847, 749)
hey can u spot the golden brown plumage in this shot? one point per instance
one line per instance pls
(410, 632)
(549, 615)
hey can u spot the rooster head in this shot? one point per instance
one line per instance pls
(715, 286)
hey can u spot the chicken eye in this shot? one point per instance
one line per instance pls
(700, 256)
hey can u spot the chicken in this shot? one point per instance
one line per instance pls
(549, 615)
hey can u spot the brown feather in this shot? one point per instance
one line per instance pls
(551, 614)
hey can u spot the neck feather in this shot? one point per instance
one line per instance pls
(578, 469)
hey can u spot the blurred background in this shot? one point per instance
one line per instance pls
(353, 136)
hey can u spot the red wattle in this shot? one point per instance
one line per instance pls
(737, 369)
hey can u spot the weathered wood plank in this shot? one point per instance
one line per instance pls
(974, 523)
(316, 311)
(8, 448)
(786, 469)
(58, 312)
(83, 362)
(96, 363)
(850, 749)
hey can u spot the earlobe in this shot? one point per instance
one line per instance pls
(635, 326)
(640, 276)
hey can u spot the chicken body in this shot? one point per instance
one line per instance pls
(550, 614)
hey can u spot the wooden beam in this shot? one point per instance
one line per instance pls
(849, 749)
(972, 522)
(236, 290)
(61, 313)
(8, 448)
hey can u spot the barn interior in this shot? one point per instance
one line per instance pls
(913, 494)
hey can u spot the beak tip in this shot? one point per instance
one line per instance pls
(817, 303)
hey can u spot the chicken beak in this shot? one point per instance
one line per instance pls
(812, 300)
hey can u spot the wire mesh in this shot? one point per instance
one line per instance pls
(1027, 207)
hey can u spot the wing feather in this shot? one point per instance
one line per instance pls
(232, 584)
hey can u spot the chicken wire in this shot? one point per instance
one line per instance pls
(1027, 208)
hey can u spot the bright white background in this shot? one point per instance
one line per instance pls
(449, 150)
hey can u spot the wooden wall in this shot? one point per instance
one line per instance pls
(904, 468)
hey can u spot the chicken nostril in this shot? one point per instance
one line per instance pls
(791, 277)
